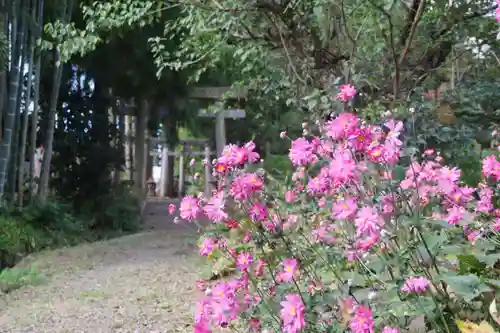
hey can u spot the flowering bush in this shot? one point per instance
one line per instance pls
(356, 240)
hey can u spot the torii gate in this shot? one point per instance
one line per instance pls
(135, 127)
(216, 94)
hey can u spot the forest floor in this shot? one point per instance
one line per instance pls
(141, 283)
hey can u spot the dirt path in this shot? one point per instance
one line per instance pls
(138, 283)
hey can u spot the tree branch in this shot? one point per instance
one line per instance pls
(463, 18)
(409, 38)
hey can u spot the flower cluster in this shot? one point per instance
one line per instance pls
(497, 11)
(352, 202)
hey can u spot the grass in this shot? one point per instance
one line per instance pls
(17, 277)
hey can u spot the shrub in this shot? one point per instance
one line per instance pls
(356, 242)
(55, 223)
(16, 240)
(278, 166)
(115, 212)
(35, 228)
(17, 277)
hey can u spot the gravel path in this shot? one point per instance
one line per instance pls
(138, 283)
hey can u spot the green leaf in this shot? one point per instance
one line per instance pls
(489, 259)
(466, 286)
(469, 263)
(493, 283)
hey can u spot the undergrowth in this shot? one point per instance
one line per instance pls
(55, 224)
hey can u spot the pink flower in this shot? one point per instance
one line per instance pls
(244, 260)
(472, 236)
(342, 167)
(283, 134)
(291, 221)
(446, 175)
(395, 129)
(302, 152)
(361, 138)
(342, 127)
(347, 92)
(415, 284)
(362, 322)
(455, 214)
(318, 185)
(171, 209)
(255, 325)
(387, 204)
(368, 221)
(252, 156)
(376, 153)
(497, 14)
(201, 328)
(496, 225)
(322, 234)
(300, 173)
(207, 246)
(366, 243)
(290, 269)
(292, 314)
(391, 152)
(189, 209)
(232, 155)
(258, 212)
(201, 285)
(344, 208)
(192, 162)
(388, 329)
(259, 268)
(239, 157)
(232, 224)
(485, 204)
(214, 209)
(221, 306)
(290, 196)
(491, 167)
(221, 290)
(228, 155)
(429, 152)
(243, 186)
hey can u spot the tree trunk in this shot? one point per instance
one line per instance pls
(3, 72)
(115, 141)
(10, 116)
(25, 121)
(43, 191)
(34, 117)
(54, 99)
(13, 173)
